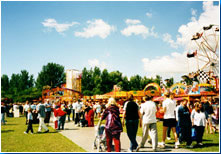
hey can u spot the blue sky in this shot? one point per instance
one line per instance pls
(125, 36)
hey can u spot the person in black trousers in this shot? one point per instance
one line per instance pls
(29, 121)
(132, 116)
(184, 122)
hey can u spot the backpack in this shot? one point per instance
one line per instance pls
(114, 123)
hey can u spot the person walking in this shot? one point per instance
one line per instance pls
(41, 116)
(34, 113)
(48, 107)
(3, 111)
(26, 107)
(209, 112)
(169, 107)
(73, 110)
(78, 110)
(184, 122)
(148, 120)
(198, 118)
(90, 117)
(29, 121)
(61, 117)
(113, 126)
(131, 114)
(69, 108)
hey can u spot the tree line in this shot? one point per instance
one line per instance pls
(95, 81)
(22, 86)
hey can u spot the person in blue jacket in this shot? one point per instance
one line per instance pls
(184, 122)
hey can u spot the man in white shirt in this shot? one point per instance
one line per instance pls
(169, 120)
(73, 109)
(77, 108)
(26, 107)
(148, 117)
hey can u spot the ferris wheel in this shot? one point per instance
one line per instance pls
(206, 50)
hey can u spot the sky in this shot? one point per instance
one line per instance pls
(136, 37)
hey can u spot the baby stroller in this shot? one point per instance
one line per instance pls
(100, 139)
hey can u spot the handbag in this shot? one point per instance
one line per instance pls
(193, 134)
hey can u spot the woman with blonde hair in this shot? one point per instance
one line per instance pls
(198, 118)
(113, 126)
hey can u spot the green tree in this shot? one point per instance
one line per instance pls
(124, 84)
(51, 74)
(4, 84)
(105, 82)
(87, 82)
(14, 84)
(18, 84)
(135, 82)
(146, 81)
(26, 81)
(96, 81)
(157, 79)
(115, 78)
(169, 82)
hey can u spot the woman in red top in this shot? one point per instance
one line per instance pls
(61, 117)
(91, 117)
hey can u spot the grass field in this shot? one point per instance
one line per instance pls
(210, 141)
(13, 139)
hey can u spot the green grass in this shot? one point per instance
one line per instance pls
(210, 141)
(13, 139)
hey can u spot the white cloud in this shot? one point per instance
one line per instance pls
(152, 33)
(136, 30)
(96, 62)
(167, 38)
(210, 15)
(176, 64)
(60, 28)
(132, 21)
(135, 27)
(193, 12)
(96, 28)
(148, 14)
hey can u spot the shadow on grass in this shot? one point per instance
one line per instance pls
(171, 143)
(205, 145)
(6, 131)
(207, 140)
(41, 133)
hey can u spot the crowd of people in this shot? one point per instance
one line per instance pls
(78, 110)
(180, 116)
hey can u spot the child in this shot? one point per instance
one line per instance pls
(29, 120)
